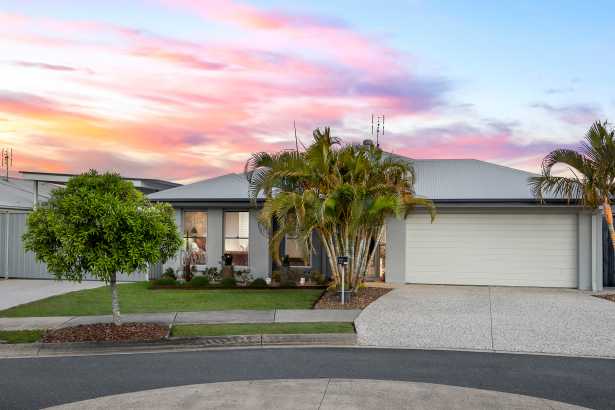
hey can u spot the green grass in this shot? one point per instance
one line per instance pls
(137, 298)
(21, 336)
(261, 328)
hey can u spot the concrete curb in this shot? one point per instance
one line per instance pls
(172, 344)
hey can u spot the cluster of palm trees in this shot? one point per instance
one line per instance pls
(344, 193)
(591, 173)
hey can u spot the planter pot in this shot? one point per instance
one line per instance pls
(347, 294)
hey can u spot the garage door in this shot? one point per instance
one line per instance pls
(492, 249)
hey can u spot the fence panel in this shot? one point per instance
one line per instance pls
(22, 264)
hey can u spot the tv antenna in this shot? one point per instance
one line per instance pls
(6, 160)
(379, 121)
(296, 139)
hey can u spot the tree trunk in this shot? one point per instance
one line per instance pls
(115, 301)
(608, 216)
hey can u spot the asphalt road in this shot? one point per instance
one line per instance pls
(40, 382)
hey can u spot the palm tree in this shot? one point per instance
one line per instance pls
(592, 180)
(342, 192)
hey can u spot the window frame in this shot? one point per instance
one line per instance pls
(186, 236)
(224, 237)
(286, 254)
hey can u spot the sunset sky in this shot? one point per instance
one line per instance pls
(187, 89)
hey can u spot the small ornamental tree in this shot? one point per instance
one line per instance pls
(101, 225)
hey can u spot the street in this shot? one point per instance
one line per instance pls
(33, 383)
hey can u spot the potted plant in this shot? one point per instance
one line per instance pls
(227, 266)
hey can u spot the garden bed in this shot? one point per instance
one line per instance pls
(108, 332)
(187, 286)
(360, 300)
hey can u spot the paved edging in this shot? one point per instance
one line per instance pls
(203, 317)
(175, 343)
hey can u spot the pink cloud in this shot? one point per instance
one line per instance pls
(165, 107)
(492, 142)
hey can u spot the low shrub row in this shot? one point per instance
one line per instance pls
(203, 282)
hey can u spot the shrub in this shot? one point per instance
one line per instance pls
(213, 273)
(318, 277)
(258, 283)
(243, 276)
(165, 282)
(289, 284)
(169, 273)
(228, 283)
(199, 282)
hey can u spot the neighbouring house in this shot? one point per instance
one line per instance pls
(18, 196)
(489, 231)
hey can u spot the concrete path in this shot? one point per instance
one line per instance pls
(204, 317)
(317, 394)
(15, 292)
(538, 320)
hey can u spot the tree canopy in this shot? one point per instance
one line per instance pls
(100, 225)
(591, 179)
(343, 192)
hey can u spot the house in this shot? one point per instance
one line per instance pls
(18, 196)
(16, 200)
(489, 231)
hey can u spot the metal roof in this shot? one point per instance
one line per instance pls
(229, 187)
(146, 185)
(438, 179)
(469, 179)
(17, 193)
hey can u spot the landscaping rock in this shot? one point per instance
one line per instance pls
(107, 332)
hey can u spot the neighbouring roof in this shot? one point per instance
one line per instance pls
(17, 193)
(146, 185)
(229, 187)
(461, 180)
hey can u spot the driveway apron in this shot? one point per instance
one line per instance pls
(534, 320)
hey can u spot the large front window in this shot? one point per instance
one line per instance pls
(236, 236)
(195, 235)
(294, 252)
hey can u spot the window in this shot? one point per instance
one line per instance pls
(195, 235)
(294, 251)
(236, 236)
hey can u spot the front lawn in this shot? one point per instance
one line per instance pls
(21, 336)
(137, 298)
(261, 328)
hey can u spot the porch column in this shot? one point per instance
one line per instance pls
(395, 251)
(215, 237)
(6, 246)
(259, 258)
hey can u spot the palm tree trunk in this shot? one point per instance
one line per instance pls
(115, 301)
(608, 216)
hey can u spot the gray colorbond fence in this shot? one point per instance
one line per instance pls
(16, 262)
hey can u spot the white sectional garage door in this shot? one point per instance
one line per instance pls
(492, 249)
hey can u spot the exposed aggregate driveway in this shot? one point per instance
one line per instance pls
(509, 319)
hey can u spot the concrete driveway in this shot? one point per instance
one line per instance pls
(537, 320)
(15, 292)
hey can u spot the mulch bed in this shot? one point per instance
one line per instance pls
(107, 332)
(365, 296)
(610, 297)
